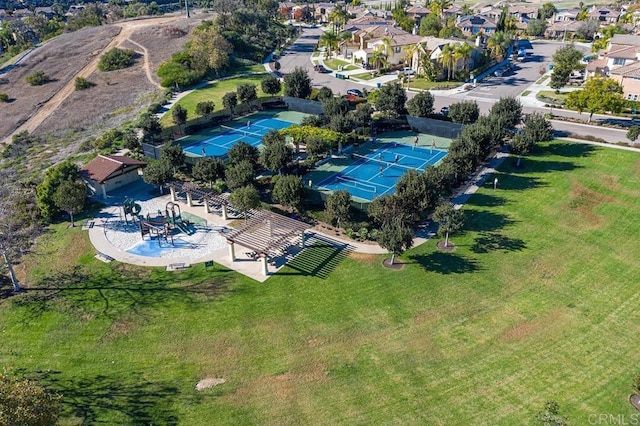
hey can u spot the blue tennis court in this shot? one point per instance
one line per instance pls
(250, 132)
(375, 174)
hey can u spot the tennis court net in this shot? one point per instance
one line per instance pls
(384, 163)
(241, 132)
(354, 183)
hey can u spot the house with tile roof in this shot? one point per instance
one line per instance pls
(475, 24)
(432, 47)
(106, 173)
(604, 15)
(390, 39)
(620, 61)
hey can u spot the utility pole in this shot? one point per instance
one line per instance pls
(186, 8)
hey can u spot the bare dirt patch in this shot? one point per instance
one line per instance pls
(526, 329)
(425, 317)
(584, 201)
(397, 264)
(209, 382)
(449, 248)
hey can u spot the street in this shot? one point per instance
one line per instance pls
(487, 92)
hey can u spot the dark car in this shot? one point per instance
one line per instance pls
(444, 110)
(355, 92)
(320, 68)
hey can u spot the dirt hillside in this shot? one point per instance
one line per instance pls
(117, 96)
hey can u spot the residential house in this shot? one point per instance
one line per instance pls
(286, 9)
(491, 12)
(432, 47)
(106, 173)
(366, 20)
(523, 13)
(418, 12)
(565, 30)
(452, 11)
(47, 12)
(390, 39)
(566, 15)
(321, 11)
(300, 13)
(605, 15)
(621, 62)
(475, 24)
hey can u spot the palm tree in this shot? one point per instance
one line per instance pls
(439, 6)
(329, 39)
(463, 51)
(498, 43)
(410, 52)
(379, 58)
(446, 57)
(338, 17)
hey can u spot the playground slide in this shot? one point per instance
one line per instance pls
(184, 228)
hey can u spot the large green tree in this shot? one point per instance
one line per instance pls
(507, 111)
(297, 83)
(465, 112)
(600, 94)
(396, 237)
(230, 101)
(179, 115)
(276, 153)
(208, 170)
(205, 108)
(26, 402)
(70, 197)
(245, 199)
(421, 105)
(288, 191)
(449, 219)
(391, 99)
(568, 57)
(45, 191)
(243, 151)
(246, 92)
(239, 175)
(158, 173)
(209, 50)
(270, 85)
(338, 206)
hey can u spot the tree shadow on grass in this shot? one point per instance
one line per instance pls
(512, 182)
(486, 200)
(536, 165)
(445, 263)
(114, 293)
(485, 221)
(568, 149)
(97, 398)
(493, 241)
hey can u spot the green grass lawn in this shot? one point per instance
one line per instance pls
(424, 84)
(335, 63)
(213, 92)
(549, 96)
(365, 75)
(537, 302)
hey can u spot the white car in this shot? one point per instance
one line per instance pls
(407, 71)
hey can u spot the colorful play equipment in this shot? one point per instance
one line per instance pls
(176, 219)
(162, 225)
(130, 208)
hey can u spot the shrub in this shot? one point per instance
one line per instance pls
(82, 83)
(116, 59)
(4, 97)
(38, 78)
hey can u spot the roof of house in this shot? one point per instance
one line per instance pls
(476, 20)
(568, 12)
(521, 9)
(400, 40)
(103, 166)
(568, 26)
(378, 31)
(631, 70)
(625, 39)
(596, 64)
(622, 52)
(604, 11)
(366, 20)
(418, 10)
(432, 43)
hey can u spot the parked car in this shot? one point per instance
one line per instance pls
(355, 92)
(407, 71)
(444, 110)
(498, 72)
(320, 68)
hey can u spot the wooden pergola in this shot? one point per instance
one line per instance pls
(209, 197)
(267, 234)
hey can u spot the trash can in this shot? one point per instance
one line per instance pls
(378, 85)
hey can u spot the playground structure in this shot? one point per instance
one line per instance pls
(131, 208)
(162, 225)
